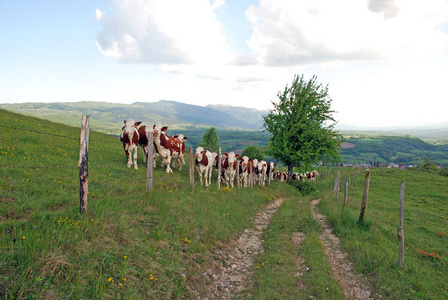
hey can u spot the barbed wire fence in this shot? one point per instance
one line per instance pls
(425, 216)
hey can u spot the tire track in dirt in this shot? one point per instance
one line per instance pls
(353, 284)
(235, 276)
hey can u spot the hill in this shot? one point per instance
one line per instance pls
(106, 116)
(392, 149)
(174, 242)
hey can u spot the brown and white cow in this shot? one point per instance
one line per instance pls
(204, 164)
(143, 142)
(168, 147)
(130, 137)
(243, 171)
(228, 161)
(270, 170)
(181, 158)
(261, 168)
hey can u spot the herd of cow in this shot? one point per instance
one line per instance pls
(172, 149)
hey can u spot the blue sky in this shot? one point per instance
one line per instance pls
(385, 61)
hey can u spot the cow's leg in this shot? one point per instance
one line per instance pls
(168, 168)
(145, 153)
(205, 177)
(200, 176)
(209, 176)
(135, 158)
(128, 157)
(179, 161)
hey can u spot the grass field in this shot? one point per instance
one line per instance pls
(131, 244)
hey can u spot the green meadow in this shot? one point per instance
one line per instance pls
(137, 245)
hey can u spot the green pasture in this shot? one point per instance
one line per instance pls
(136, 245)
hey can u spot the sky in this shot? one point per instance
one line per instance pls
(385, 61)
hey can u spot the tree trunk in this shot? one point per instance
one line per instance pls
(290, 166)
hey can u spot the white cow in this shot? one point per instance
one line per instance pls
(243, 171)
(228, 160)
(204, 164)
(262, 166)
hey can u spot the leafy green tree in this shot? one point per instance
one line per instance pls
(210, 140)
(254, 152)
(301, 126)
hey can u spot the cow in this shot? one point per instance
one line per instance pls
(270, 171)
(261, 167)
(255, 170)
(143, 143)
(204, 164)
(250, 169)
(168, 147)
(228, 160)
(130, 139)
(243, 170)
(181, 158)
(314, 174)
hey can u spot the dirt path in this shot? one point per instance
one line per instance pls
(352, 282)
(235, 276)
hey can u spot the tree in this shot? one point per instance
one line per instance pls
(210, 140)
(301, 125)
(254, 152)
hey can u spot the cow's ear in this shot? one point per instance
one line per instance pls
(185, 138)
(237, 155)
(124, 122)
(226, 154)
(137, 123)
(154, 126)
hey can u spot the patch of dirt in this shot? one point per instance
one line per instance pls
(9, 199)
(347, 145)
(353, 284)
(234, 276)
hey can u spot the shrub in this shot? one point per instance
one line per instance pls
(305, 187)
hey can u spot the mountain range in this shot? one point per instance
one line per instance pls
(105, 116)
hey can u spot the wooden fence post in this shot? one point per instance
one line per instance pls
(345, 194)
(84, 164)
(364, 196)
(238, 174)
(400, 231)
(149, 160)
(219, 168)
(336, 186)
(192, 168)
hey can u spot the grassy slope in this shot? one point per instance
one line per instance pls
(136, 245)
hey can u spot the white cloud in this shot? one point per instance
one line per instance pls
(163, 32)
(98, 15)
(304, 32)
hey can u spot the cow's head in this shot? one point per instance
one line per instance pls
(231, 157)
(129, 128)
(199, 151)
(158, 129)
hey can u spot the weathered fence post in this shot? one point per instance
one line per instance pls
(84, 163)
(238, 173)
(192, 168)
(336, 186)
(400, 231)
(219, 168)
(345, 194)
(149, 160)
(364, 196)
